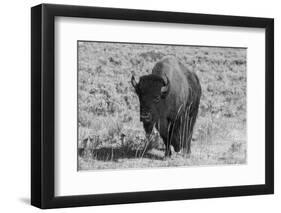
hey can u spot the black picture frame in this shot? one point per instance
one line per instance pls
(43, 105)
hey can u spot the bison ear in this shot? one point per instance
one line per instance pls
(166, 88)
(134, 83)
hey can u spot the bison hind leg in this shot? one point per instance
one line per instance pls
(168, 151)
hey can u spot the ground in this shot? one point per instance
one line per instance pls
(110, 135)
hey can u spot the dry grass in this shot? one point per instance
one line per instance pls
(109, 108)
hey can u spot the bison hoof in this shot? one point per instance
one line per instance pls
(177, 148)
(187, 154)
(168, 154)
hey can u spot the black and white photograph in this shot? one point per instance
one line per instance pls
(160, 105)
(139, 106)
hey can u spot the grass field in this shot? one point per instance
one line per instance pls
(110, 135)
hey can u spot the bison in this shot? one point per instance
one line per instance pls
(169, 100)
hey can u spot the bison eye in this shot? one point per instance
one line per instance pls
(156, 99)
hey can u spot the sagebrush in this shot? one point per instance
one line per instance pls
(108, 108)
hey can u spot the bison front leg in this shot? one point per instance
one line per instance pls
(168, 151)
(173, 138)
(163, 127)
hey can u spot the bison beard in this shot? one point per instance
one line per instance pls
(169, 99)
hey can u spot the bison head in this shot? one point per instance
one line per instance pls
(151, 90)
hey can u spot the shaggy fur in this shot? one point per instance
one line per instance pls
(175, 113)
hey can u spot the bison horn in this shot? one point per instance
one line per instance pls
(165, 88)
(133, 81)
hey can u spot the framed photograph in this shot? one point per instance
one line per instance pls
(140, 106)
